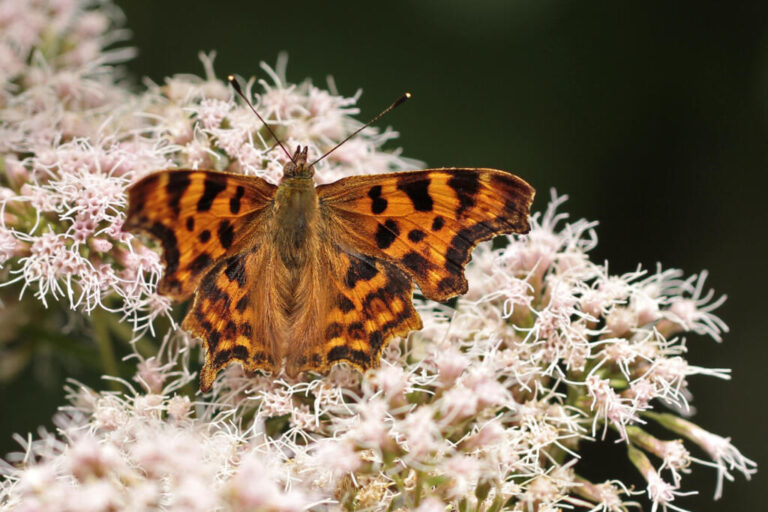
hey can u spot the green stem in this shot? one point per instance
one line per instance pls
(124, 333)
(417, 491)
(100, 325)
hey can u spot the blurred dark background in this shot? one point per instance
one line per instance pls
(651, 116)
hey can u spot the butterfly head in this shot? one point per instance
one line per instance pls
(298, 166)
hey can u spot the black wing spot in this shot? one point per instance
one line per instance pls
(342, 352)
(235, 270)
(213, 340)
(204, 236)
(234, 203)
(387, 233)
(452, 284)
(210, 290)
(416, 235)
(222, 357)
(178, 182)
(345, 305)
(211, 189)
(200, 263)
(378, 203)
(355, 331)
(376, 340)
(226, 234)
(438, 223)
(240, 352)
(416, 262)
(465, 184)
(170, 246)
(359, 270)
(418, 194)
(190, 223)
(242, 304)
(334, 330)
(230, 330)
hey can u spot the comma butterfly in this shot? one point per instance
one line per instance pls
(309, 276)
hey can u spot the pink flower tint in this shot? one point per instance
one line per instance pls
(620, 322)
(464, 471)
(662, 493)
(459, 402)
(372, 429)
(100, 244)
(725, 457)
(337, 455)
(212, 112)
(694, 313)
(675, 457)
(490, 392)
(609, 405)
(244, 495)
(8, 245)
(420, 433)
(489, 434)
(392, 381)
(450, 364)
(179, 407)
(109, 414)
(642, 392)
(193, 494)
(607, 495)
(431, 505)
(89, 459)
(151, 375)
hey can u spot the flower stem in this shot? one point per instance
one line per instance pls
(100, 325)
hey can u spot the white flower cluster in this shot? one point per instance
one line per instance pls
(145, 453)
(487, 407)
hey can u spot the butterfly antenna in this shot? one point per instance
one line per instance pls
(236, 86)
(399, 101)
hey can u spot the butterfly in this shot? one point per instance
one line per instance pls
(303, 276)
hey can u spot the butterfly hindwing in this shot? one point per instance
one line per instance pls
(198, 217)
(427, 222)
(366, 301)
(226, 315)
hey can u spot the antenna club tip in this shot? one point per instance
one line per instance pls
(408, 95)
(234, 83)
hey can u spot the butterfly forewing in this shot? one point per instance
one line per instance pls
(427, 222)
(198, 217)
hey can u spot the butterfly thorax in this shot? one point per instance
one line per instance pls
(296, 210)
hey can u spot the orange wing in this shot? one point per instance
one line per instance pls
(360, 303)
(198, 217)
(426, 223)
(226, 315)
